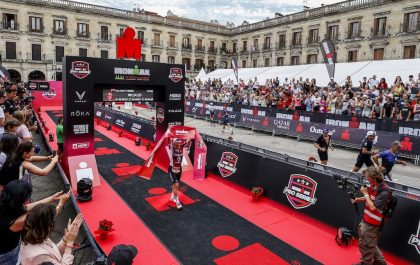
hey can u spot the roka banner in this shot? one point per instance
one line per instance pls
(328, 52)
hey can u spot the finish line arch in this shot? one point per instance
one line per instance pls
(88, 80)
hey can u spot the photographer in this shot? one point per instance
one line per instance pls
(375, 198)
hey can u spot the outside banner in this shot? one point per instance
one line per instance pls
(328, 52)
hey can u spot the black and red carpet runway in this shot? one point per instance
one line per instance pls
(218, 224)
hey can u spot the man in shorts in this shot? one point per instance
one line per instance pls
(225, 119)
(211, 111)
(175, 168)
(366, 152)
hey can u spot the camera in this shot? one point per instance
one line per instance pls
(344, 184)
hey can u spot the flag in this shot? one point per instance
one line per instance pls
(328, 52)
(235, 68)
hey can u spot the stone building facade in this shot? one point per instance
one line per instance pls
(36, 34)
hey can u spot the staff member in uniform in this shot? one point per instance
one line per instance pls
(389, 159)
(375, 198)
(59, 130)
(322, 144)
(175, 168)
(366, 152)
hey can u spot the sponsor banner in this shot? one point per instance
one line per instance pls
(329, 55)
(200, 154)
(315, 193)
(251, 121)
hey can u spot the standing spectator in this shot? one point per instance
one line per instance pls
(376, 109)
(405, 111)
(416, 110)
(332, 84)
(2, 117)
(22, 130)
(316, 99)
(367, 106)
(10, 104)
(10, 126)
(388, 109)
(373, 81)
(37, 247)
(308, 103)
(8, 146)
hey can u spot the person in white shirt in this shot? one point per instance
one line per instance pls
(373, 82)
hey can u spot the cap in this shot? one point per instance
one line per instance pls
(325, 130)
(122, 255)
(371, 133)
(397, 143)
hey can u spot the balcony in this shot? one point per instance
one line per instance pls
(59, 31)
(83, 34)
(103, 37)
(200, 49)
(225, 51)
(280, 45)
(9, 25)
(212, 50)
(186, 48)
(172, 45)
(32, 29)
(313, 41)
(254, 49)
(354, 36)
(157, 44)
(266, 47)
(409, 29)
(333, 37)
(243, 51)
(296, 45)
(379, 34)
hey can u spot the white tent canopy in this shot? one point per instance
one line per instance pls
(201, 73)
(387, 69)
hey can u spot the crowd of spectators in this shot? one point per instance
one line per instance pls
(370, 97)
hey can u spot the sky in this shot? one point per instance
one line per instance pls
(223, 11)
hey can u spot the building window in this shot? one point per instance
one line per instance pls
(313, 36)
(82, 52)
(254, 63)
(352, 56)
(332, 32)
(295, 60)
(354, 30)
(35, 24)
(267, 43)
(409, 52)
(312, 58)
(104, 54)
(155, 58)
(379, 26)
(83, 30)
(171, 59)
(282, 41)
(186, 44)
(267, 62)
(156, 39)
(378, 54)
(224, 47)
(243, 63)
(297, 38)
(59, 54)
(143, 57)
(211, 65)
(255, 47)
(11, 50)
(104, 33)
(140, 35)
(199, 43)
(244, 44)
(121, 32)
(172, 41)
(59, 27)
(10, 21)
(198, 64)
(36, 52)
(211, 47)
(187, 63)
(411, 22)
(280, 61)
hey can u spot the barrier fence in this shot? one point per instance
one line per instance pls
(309, 188)
(348, 131)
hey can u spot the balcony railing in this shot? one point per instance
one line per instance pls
(8, 25)
(266, 47)
(59, 31)
(296, 45)
(379, 34)
(212, 50)
(36, 30)
(104, 37)
(172, 45)
(314, 40)
(281, 45)
(186, 48)
(83, 34)
(334, 37)
(225, 51)
(254, 49)
(200, 49)
(157, 43)
(406, 28)
(354, 35)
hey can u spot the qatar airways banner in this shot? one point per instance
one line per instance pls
(344, 129)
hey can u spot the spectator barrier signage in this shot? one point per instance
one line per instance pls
(344, 129)
(314, 193)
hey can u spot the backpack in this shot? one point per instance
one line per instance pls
(391, 203)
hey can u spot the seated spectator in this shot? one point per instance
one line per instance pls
(22, 130)
(36, 246)
(20, 166)
(13, 210)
